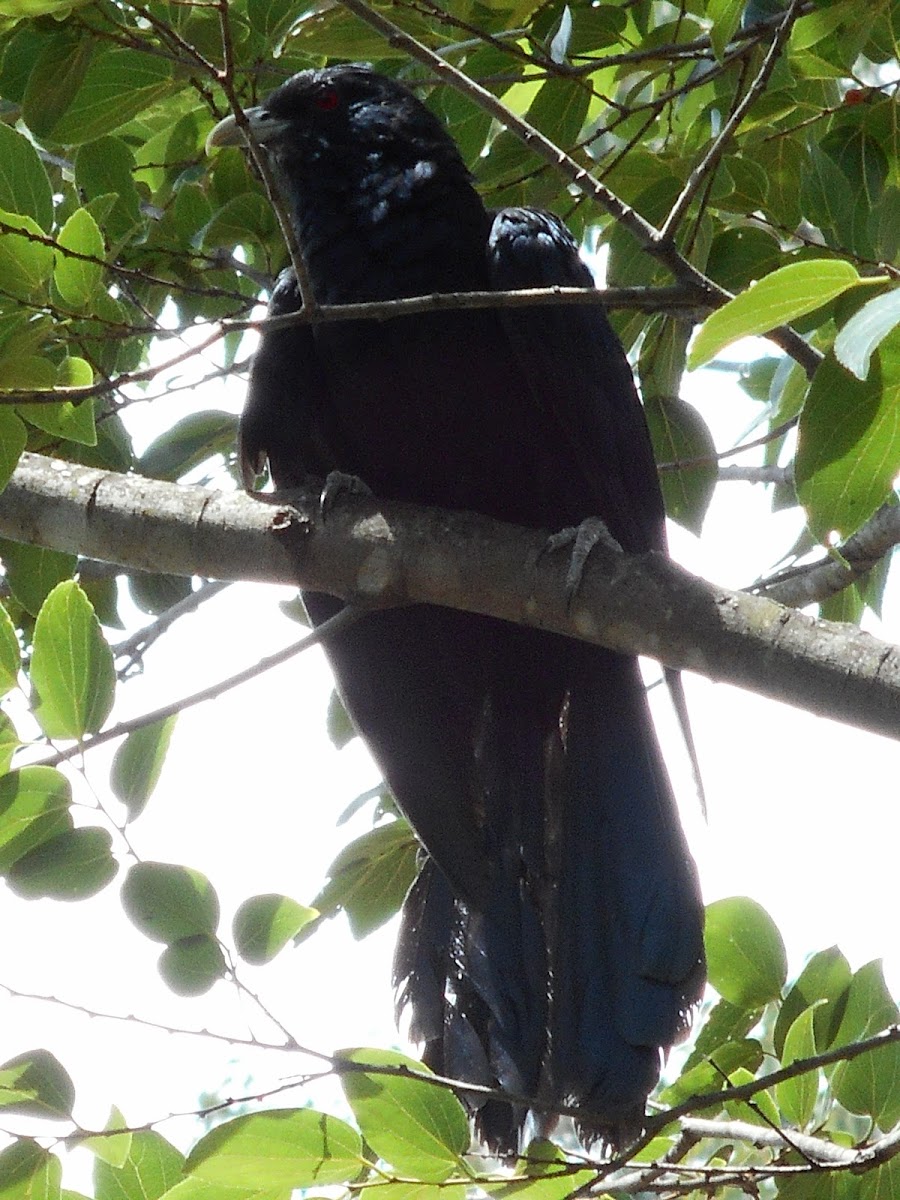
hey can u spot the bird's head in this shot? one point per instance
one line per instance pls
(337, 116)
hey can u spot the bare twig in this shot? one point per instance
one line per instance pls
(711, 158)
(814, 582)
(647, 236)
(327, 629)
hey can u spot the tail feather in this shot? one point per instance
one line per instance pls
(569, 974)
(629, 955)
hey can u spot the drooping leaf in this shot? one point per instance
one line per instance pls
(191, 965)
(26, 263)
(33, 572)
(169, 902)
(74, 865)
(34, 807)
(745, 953)
(36, 1084)
(29, 1172)
(10, 653)
(24, 184)
(79, 274)
(797, 1097)
(263, 925)
(72, 672)
(848, 452)
(138, 763)
(370, 877)
(12, 442)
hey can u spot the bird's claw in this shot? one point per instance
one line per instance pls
(582, 539)
(338, 484)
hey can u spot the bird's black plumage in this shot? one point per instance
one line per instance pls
(553, 941)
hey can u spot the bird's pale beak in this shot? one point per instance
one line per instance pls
(262, 126)
(227, 133)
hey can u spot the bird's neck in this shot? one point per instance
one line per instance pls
(387, 229)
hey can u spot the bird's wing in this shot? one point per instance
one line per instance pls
(575, 365)
(288, 400)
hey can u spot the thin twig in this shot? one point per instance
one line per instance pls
(327, 629)
(710, 160)
(645, 233)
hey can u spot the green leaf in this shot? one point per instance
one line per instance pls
(707, 1076)
(106, 167)
(24, 184)
(152, 1167)
(33, 572)
(34, 807)
(198, 1189)
(25, 263)
(418, 1128)
(78, 280)
(138, 763)
(786, 294)
(680, 434)
(190, 442)
(10, 653)
(117, 86)
(870, 1083)
(12, 442)
(745, 954)
(9, 744)
(263, 925)
(826, 977)
(284, 1148)
(191, 965)
(723, 1024)
(848, 451)
(72, 672)
(73, 422)
(55, 78)
(74, 865)
(29, 1172)
(271, 19)
(340, 728)
(168, 902)
(370, 878)
(36, 1084)
(726, 16)
(864, 332)
(110, 1147)
(797, 1097)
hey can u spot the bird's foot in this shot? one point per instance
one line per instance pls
(581, 540)
(338, 484)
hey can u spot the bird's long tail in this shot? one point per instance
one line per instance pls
(627, 956)
(584, 965)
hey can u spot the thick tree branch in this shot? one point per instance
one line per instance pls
(394, 554)
(815, 582)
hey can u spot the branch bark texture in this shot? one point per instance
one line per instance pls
(388, 554)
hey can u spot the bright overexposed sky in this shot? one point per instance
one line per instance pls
(801, 817)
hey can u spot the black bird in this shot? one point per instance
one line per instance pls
(552, 944)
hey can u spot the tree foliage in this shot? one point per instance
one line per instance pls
(712, 150)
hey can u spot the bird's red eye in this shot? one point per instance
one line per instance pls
(327, 100)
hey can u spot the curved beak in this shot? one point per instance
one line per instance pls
(261, 126)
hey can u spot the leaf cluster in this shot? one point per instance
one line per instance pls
(128, 262)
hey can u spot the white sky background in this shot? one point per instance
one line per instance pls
(802, 816)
